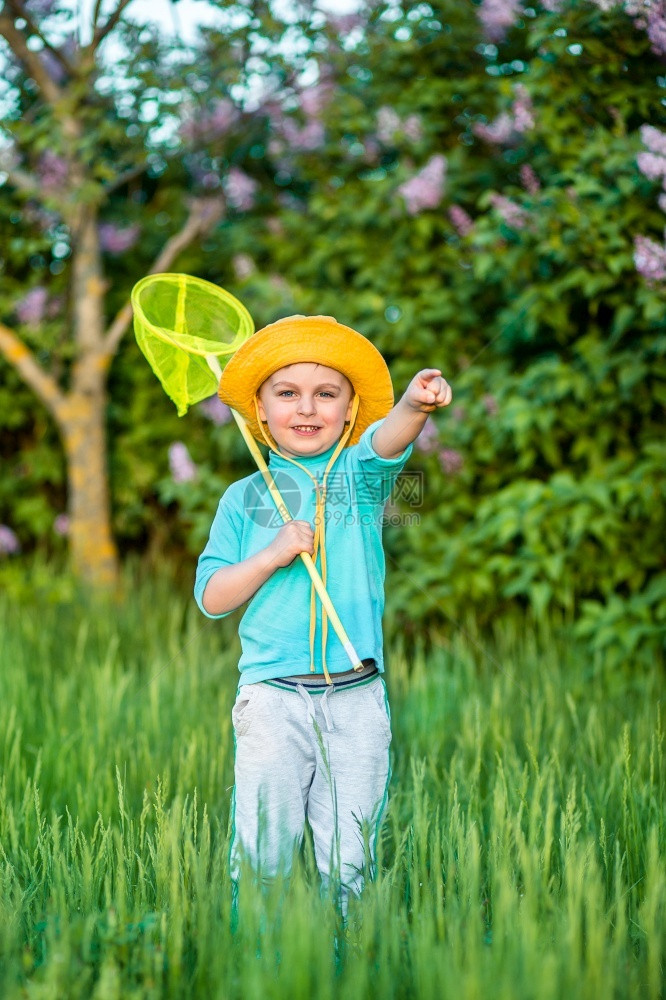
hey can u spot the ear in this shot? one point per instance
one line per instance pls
(262, 411)
(349, 409)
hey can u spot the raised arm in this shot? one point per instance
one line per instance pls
(426, 392)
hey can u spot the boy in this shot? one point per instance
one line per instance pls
(312, 734)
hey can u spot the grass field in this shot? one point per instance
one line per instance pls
(523, 854)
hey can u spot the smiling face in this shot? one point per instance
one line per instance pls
(305, 406)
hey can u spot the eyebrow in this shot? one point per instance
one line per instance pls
(293, 385)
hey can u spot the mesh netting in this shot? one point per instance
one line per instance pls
(179, 320)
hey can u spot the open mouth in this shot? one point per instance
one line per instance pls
(307, 429)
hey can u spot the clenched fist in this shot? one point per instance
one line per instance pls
(293, 538)
(428, 390)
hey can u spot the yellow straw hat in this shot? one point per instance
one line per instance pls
(320, 339)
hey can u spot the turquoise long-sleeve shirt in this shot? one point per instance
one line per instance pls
(274, 631)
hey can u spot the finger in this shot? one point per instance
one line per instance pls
(445, 395)
(427, 396)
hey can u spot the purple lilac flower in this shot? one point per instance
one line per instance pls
(458, 413)
(70, 47)
(61, 525)
(117, 239)
(243, 265)
(656, 28)
(53, 171)
(425, 189)
(529, 179)
(490, 405)
(215, 410)
(304, 138)
(314, 99)
(523, 111)
(413, 128)
(41, 8)
(214, 123)
(650, 259)
(54, 306)
(653, 139)
(497, 16)
(9, 543)
(651, 165)
(344, 24)
(500, 131)
(506, 128)
(428, 439)
(183, 469)
(53, 66)
(372, 150)
(32, 307)
(274, 225)
(277, 282)
(450, 460)
(514, 216)
(649, 16)
(661, 201)
(240, 189)
(222, 116)
(388, 123)
(461, 221)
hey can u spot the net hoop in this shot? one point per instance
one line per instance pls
(186, 342)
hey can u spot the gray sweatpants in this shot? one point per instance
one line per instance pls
(317, 754)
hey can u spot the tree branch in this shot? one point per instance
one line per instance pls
(30, 60)
(102, 31)
(204, 213)
(19, 10)
(95, 18)
(23, 360)
(21, 179)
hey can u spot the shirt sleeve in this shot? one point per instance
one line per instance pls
(222, 549)
(377, 474)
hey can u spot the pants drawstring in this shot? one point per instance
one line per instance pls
(326, 712)
(309, 704)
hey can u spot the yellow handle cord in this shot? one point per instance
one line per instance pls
(320, 529)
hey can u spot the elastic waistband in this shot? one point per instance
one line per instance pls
(317, 683)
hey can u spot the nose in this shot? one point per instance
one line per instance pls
(306, 405)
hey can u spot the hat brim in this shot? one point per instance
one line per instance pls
(319, 339)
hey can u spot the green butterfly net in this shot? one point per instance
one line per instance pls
(186, 328)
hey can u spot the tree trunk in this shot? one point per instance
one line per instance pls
(82, 419)
(80, 412)
(83, 428)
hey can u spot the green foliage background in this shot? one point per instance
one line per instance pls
(553, 343)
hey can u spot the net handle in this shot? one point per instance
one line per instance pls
(283, 511)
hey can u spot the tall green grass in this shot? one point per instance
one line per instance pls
(523, 853)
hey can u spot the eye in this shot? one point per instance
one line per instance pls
(286, 392)
(325, 393)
